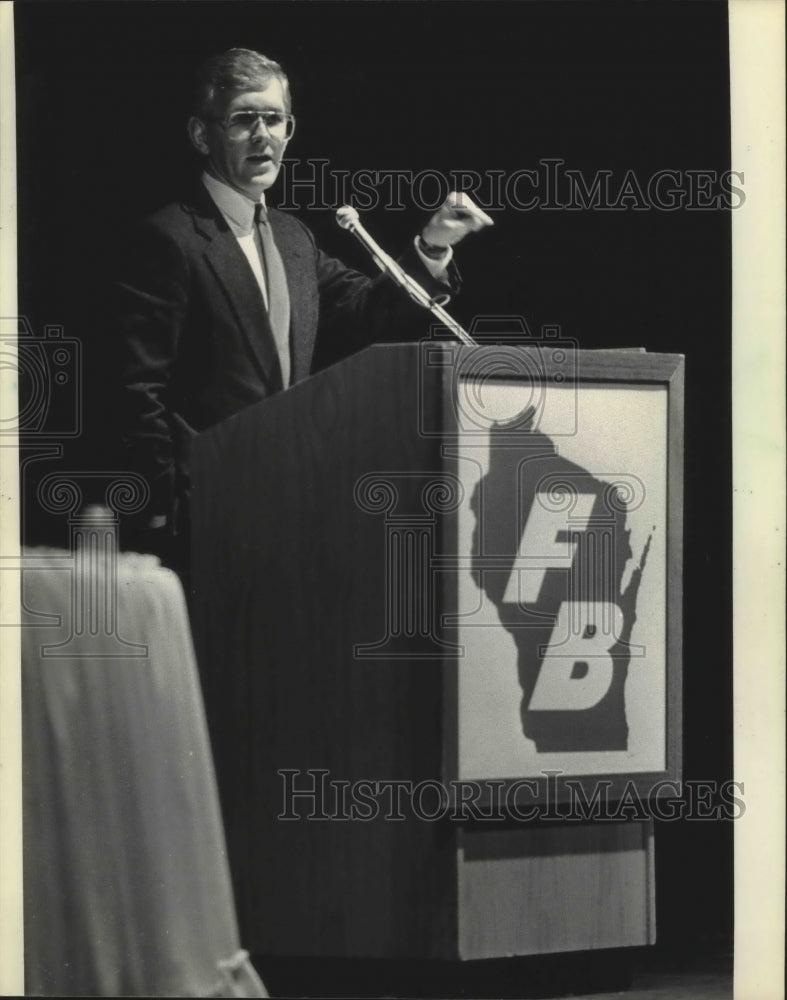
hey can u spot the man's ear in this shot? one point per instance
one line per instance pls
(198, 135)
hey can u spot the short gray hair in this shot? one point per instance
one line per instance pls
(235, 69)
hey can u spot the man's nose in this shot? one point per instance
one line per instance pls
(259, 129)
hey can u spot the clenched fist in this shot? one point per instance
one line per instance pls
(455, 218)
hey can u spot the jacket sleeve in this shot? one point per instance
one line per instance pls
(148, 303)
(356, 310)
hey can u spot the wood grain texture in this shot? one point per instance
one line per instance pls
(292, 572)
(587, 366)
(552, 888)
(291, 575)
(675, 477)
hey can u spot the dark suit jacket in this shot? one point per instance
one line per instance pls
(190, 338)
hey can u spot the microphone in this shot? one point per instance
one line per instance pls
(348, 218)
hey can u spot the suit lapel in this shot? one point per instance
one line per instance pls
(228, 263)
(295, 266)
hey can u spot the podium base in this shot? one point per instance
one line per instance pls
(542, 976)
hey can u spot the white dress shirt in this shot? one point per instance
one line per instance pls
(238, 212)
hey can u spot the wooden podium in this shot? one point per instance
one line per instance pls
(356, 541)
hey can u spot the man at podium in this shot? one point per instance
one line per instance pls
(221, 302)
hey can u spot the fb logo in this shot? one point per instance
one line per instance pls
(552, 543)
(577, 668)
(576, 671)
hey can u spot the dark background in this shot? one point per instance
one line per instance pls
(102, 90)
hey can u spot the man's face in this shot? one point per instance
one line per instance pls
(249, 165)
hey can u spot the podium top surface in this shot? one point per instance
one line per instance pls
(545, 357)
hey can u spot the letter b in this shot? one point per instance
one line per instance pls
(576, 670)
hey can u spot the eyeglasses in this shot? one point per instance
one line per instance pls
(241, 124)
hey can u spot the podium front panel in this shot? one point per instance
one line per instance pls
(562, 590)
(567, 545)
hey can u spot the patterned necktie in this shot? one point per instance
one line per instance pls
(278, 294)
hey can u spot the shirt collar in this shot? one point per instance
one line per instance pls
(236, 208)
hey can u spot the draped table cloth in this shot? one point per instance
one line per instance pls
(127, 887)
